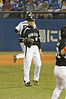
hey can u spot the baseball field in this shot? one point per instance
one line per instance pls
(11, 78)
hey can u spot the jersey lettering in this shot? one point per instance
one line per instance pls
(32, 34)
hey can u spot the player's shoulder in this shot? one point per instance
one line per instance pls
(23, 22)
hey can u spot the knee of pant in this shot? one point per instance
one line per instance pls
(65, 87)
(60, 87)
(55, 96)
(39, 64)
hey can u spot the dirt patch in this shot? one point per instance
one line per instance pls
(8, 59)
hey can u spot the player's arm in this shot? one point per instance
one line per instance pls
(39, 45)
(63, 51)
(22, 36)
(18, 28)
(40, 52)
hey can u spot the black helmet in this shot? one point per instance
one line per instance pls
(28, 14)
(63, 32)
(30, 18)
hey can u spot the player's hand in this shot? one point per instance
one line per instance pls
(23, 40)
(18, 33)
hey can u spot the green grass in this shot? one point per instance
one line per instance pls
(12, 52)
(12, 85)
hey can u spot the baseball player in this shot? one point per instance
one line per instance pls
(18, 30)
(31, 40)
(60, 67)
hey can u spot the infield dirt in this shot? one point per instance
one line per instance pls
(8, 59)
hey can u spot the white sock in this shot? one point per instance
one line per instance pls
(56, 93)
(21, 55)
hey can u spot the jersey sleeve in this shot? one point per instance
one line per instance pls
(22, 36)
(18, 27)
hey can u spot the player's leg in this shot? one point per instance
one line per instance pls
(57, 90)
(37, 62)
(64, 78)
(27, 64)
(65, 86)
(20, 55)
(59, 86)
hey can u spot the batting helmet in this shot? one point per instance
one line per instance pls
(28, 14)
(30, 18)
(63, 32)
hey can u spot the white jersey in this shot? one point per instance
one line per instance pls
(22, 25)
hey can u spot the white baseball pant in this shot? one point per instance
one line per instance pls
(21, 55)
(32, 53)
(60, 74)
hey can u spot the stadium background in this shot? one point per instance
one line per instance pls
(11, 74)
(49, 32)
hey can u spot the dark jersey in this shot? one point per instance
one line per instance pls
(33, 33)
(60, 59)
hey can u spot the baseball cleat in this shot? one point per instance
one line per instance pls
(28, 84)
(14, 58)
(35, 82)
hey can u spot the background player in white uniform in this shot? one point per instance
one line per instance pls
(18, 30)
(32, 43)
(60, 67)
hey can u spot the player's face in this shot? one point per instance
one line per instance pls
(31, 23)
